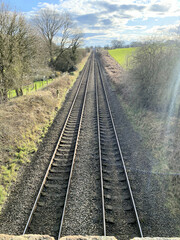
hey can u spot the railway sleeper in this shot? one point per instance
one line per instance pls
(67, 134)
(61, 171)
(53, 194)
(65, 151)
(66, 146)
(110, 220)
(103, 131)
(131, 220)
(56, 186)
(122, 178)
(109, 207)
(105, 139)
(109, 163)
(67, 140)
(58, 178)
(110, 155)
(126, 197)
(60, 164)
(59, 154)
(62, 159)
(128, 208)
(70, 131)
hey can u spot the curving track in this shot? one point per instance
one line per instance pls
(118, 214)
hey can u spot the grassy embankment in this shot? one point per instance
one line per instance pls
(30, 88)
(24, 122)
(122, 55)
(151, 125)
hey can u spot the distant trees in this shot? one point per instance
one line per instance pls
(117, 44)
(136, 44)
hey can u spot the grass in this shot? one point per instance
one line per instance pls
(24, 121)
(121, 55)
(30, 88)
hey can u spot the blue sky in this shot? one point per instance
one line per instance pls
(103, 21)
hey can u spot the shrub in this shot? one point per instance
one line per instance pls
(152, 69)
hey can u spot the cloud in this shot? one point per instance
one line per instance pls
(108, 6)
(128, 7)
(159, 8)
(104, 20)
(87, 19)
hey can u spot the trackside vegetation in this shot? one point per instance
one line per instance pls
(149, 92)
(24, 122)
(30, 88)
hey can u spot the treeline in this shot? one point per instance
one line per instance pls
(31, 50)
(122, 44)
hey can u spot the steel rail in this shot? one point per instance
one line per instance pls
(100, 159)
(74, 156)
(119, 147)
(57, 145)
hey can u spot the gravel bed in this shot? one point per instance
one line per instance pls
(83, 212)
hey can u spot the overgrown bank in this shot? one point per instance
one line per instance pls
(159, 135)
(23, 123)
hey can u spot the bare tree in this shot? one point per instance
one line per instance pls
(49, 22)
(66, 33)
(117, 44)
(61, 36)
(67, 53)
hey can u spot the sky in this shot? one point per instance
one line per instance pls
(104, 21)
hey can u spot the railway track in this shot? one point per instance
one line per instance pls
(119, 213)
(120, 216)
(47, 213)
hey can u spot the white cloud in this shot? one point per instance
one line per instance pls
(111, 17)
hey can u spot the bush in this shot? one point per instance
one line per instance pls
(152, 69)
(67, 61)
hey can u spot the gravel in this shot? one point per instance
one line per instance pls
(83, 212)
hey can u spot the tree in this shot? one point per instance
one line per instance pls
(117, 44)
(70, 41)
(107, 47)
(49, 22)
(16, 50)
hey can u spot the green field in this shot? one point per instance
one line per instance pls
(30, 88)
(121, 55)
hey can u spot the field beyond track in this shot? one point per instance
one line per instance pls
(121, 55)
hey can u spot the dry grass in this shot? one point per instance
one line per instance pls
(23, 123)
